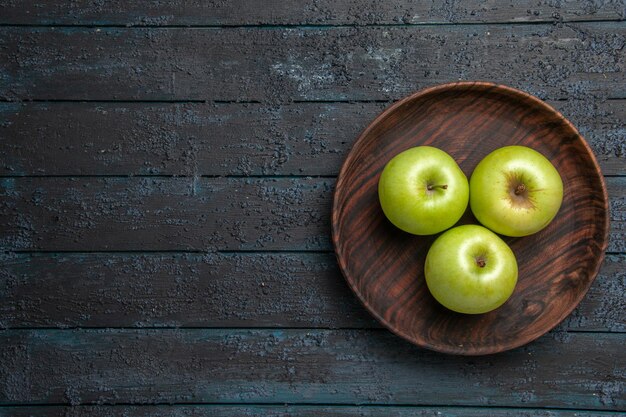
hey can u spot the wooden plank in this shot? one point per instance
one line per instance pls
(352, 12)
(282, 65)
(180, 139)
(158, 213)
(195, 290)
(579, 370)
(227, 139)
(216, 290)
(207, 214)
(287, 411)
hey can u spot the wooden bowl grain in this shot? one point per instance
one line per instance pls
(384, 266)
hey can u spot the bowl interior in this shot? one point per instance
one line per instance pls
(384, 266)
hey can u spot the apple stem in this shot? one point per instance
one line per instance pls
(520, 189)
(430, 187)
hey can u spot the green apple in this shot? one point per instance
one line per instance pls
(515, 191)
(469, 269)
(423, 191)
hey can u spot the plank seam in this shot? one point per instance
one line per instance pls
(187, 251)
(252, 176)
(308, 25)
(309, 404)
(252, 328)
(213, 102)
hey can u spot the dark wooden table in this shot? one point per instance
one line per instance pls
(167, 174)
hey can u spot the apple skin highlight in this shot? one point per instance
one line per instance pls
(423, 191)
(469, 269)
(515, 191)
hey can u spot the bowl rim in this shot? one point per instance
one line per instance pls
(440, 88)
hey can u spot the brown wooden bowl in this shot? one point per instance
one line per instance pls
(384, 266)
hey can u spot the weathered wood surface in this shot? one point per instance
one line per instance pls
(165, 213)
(578, 370)
(207, 214)
(293, 12)
(99, 214)
(288, 411)
(283, 65)
(227, 139)
(222, 290)
(394, 49)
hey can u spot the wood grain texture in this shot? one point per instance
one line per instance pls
(385, 266)
(227, 139)
(207, 214)
(280, 64)
(211, 290)
(288, 411)
(157, 213)
(283, 65)
(293, 12)
(579, 370)
(222, 290)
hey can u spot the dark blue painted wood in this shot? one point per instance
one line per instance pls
(293, 12)
(165, 213)
(290, 411)
(227, 139)
(282, 65)
(579, 370)
(581, 65)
